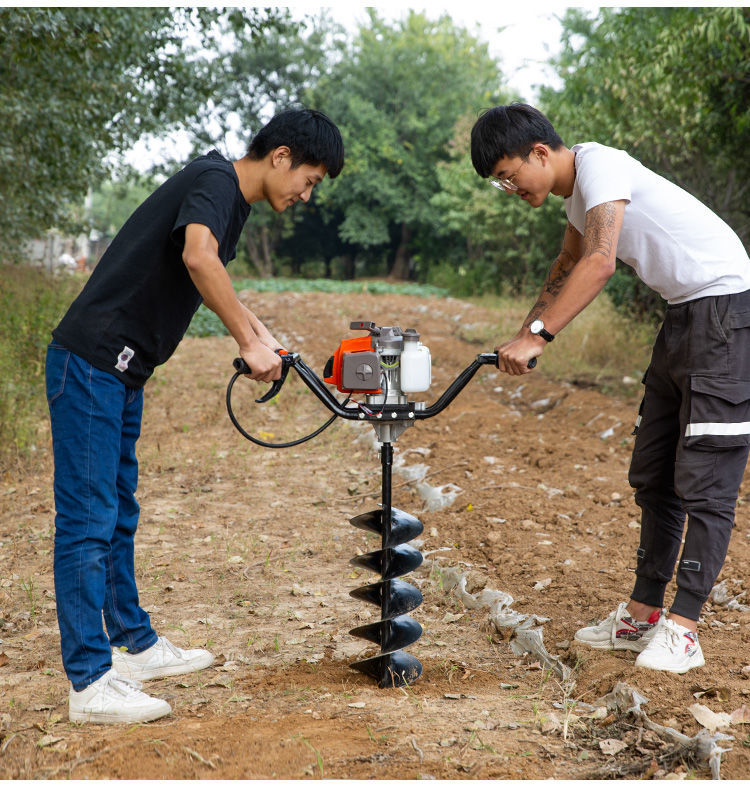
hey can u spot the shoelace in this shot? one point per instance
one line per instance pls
(124, 686)
(167, 644)
(672, 637)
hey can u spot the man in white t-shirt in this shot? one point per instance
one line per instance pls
(693, 433)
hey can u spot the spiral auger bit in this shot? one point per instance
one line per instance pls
(383, 366)
(391, 667)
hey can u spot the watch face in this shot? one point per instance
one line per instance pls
(536, 326)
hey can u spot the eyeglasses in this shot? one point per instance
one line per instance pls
(506, 184)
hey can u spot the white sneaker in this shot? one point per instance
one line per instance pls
(673, 648)
(163, 659)
(114, 699)
(620, 631)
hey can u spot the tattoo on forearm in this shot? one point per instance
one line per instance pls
(559, 272)
(536, 311)
(554, 283)
(556, 278)
(599, 233)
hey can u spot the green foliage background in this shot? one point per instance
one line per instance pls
(31, 303)
(80, 86)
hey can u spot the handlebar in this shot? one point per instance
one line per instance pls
(390, 411)
(242, 368)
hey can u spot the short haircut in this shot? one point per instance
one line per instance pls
(311, 136)
(507, 131)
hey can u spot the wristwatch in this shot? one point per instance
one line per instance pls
(537, 327)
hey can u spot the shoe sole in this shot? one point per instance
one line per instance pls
(173, 671)
(629, 646)
(672, 670)
(103, 717)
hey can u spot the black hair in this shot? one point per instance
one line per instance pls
(507, 131)
(311, 136)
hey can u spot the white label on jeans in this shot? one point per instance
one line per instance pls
(123, 358)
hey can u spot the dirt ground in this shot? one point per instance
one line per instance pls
(246, 551)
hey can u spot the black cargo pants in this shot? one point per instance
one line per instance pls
(691, 448)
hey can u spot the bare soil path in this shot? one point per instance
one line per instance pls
(247, 550)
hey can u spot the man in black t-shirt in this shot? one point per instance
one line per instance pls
(135, 308)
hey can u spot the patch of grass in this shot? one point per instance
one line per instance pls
(28, 588)
(31, 305)
(206, 323)
(281, 284)
(318, 757)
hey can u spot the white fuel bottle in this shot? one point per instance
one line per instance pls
(416, 365)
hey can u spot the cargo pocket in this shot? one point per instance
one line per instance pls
(739, 320)
(739, 338)
(719, 413)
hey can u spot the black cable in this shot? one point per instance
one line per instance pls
(268, 444)
(384, 377)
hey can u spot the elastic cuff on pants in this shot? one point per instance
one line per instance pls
(687, 604)
(648, 591)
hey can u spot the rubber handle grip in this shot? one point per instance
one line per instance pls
(244, 368)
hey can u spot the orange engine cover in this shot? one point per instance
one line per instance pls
(353, 345)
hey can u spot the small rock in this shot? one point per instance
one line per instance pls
(611, 747)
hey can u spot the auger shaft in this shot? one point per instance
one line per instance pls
(386, 466)
(391, 667)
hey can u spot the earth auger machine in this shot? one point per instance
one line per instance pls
(385, 366)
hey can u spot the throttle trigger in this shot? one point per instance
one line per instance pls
(286, 362)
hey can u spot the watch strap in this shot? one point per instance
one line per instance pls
(544, 334)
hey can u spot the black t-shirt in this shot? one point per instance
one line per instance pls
(139, 301)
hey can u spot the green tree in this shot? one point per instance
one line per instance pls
(78, 85)
(396, 92)
(507, 244)
(671, 86)
(114, 201)
(259, 76)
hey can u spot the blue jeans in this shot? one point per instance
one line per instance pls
(96, 421)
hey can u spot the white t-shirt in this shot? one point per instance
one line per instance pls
(676, 245)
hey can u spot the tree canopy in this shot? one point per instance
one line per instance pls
(397, 93)
(81, 85)
(671, 85)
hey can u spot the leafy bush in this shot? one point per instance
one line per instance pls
(634, 298)
(31, 304)
(206, 323)
(280, 285)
